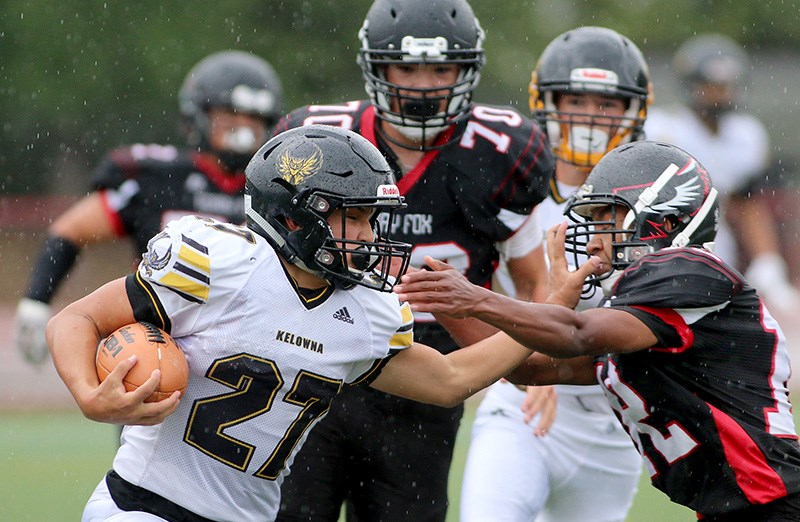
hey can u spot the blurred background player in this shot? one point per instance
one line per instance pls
(228, 102)
(471, 175)
(734, 146)
(589, 92)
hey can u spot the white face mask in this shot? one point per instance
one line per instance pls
(240, 140)
(588, 140)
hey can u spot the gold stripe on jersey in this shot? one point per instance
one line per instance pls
(197, 260)
(402, 339)
(185, 285)
(405, 313)
(373, 372)
(404, 336)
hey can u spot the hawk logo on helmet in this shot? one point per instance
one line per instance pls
(295, 170)
(685, 194)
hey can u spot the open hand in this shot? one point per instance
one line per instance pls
(442, 289)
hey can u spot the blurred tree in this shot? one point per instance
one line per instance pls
(77, 78)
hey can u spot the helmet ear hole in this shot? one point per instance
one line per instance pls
(671, 222)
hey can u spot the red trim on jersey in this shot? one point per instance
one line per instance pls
(368, 125)
(514, 168)
(113, 217)
(228, 182)
(757, 480)
(412, 176)
(674, 319)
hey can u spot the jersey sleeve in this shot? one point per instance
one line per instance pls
(392, 325)
(672, 289)
(173, 286)
(506, 156)
(295, 118)
(527, 237)
(126, 163)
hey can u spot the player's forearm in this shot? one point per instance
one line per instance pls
(54, 261)
(477, 366)
(72, 338)
(756, 226)
(550, 329)
(466, 331)
(540, 369)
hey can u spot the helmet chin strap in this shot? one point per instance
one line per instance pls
(278, 240)
(241, 140)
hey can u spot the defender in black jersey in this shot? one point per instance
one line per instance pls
(227, 102)
(690, 359)
(471, 175)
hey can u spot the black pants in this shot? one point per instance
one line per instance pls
(387, 457)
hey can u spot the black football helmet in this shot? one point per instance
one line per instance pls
(590, 60)
(711, 59)
(652, 183)
(413, 32)
(305, 174)
(235, 80)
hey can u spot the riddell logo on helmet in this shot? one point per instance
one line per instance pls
(388, 190)
(591, 78)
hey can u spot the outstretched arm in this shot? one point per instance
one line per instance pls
(423, 374)
(551, 329)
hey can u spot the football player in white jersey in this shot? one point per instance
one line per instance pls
(735, 147)
(590, 93)
(275, 318)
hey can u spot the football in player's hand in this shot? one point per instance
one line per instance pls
(154, 349)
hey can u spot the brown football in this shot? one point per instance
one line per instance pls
(154, 349)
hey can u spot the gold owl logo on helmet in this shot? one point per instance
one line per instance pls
(296, 169)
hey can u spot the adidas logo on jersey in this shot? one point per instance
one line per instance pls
(343, 315)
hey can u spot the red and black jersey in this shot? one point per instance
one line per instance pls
(708, 406)
(144, 187)
(463, 197)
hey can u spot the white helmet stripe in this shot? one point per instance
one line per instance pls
(685, 236)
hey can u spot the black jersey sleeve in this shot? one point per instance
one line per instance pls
(505, 156)
(113, 169)
(677, 278)
(669, 287)
(126, 163)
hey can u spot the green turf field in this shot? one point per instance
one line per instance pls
(52, 461)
